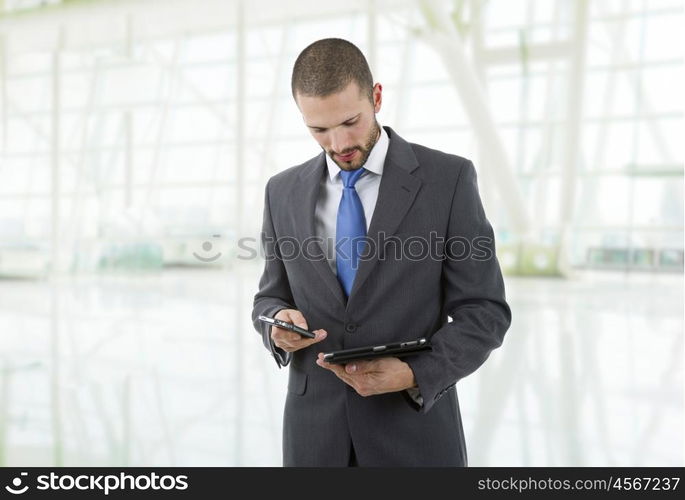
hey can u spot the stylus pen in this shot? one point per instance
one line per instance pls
(296, 329)
(288, 326)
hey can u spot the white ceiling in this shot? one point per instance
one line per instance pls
(100, 22)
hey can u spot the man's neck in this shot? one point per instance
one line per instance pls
(379, 134)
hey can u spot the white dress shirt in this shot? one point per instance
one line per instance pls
(330, 193)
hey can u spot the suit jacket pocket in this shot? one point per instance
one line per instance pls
(297, 382)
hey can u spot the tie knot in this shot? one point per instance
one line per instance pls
(350, 177)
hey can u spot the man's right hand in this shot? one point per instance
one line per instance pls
(291, 341)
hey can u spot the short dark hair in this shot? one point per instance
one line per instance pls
(327, 66)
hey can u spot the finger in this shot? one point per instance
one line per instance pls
(290, 342)
(337, 369)
(284, 345)
(323, 364)
(297, 318)
(282, 339)
(320, 335)
(339, 372)
(301, 342)
(359, 367)
(284, 335)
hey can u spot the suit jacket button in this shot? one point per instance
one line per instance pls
(350, 327)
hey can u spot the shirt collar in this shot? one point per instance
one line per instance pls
(374, 163)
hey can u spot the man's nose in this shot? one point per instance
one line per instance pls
(340, 142)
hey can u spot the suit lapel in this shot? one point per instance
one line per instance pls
(396, 194)
(305, 207)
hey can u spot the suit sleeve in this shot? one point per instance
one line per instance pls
(274, 290)
(473, 294)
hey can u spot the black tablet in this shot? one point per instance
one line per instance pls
(396, 350)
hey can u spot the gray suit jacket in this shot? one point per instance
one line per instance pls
(395, 297)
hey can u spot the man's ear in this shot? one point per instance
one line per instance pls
(377, 97)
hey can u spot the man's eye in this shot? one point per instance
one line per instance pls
(349, 124)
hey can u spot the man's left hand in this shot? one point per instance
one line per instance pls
(373, 377)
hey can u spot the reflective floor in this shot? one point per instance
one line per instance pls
(165, 369)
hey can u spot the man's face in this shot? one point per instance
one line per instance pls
(344, 124)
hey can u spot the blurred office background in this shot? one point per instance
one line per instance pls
(136, 138)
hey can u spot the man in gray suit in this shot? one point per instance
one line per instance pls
(427, 255)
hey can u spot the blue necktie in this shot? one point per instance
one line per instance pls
(350, 230)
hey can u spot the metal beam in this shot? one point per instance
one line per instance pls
(55, 160)
(572, 143)
(275, 102)
(371, 39)
(400, 111)
(152, 183)
(487, 185)
(56, 264)
(444, 39)
(238, 221)
(128, 126)
(536, 52)
(4, 125)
